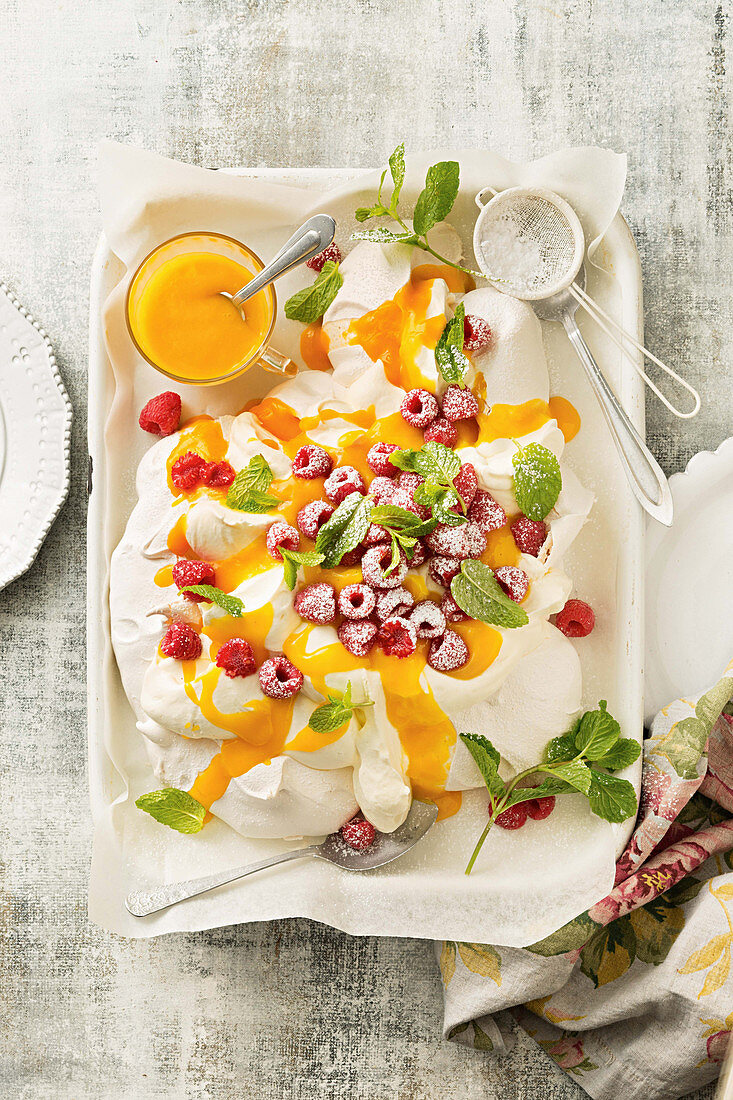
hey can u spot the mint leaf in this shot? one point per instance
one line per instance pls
(309, 304)
(231, 604)
(537, 480)
(383, 236)
(478, 593)
(561, 748)
(401, 521)
(549, 786)
(611, 798)
(175, 808)
(487, 760)
(449, 357)
(624, 752)
(336, 712)
(255, 477)
(435, 202)
(293, 559)
(574, 772)
(443, 509)
(596, 732)
(363, 213)
(254, 501)
(433, 461)
(397, 168)
(345, 529)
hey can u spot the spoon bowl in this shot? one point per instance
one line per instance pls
(306, 242)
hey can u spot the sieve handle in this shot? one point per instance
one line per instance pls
(644, 474)
(479, 200)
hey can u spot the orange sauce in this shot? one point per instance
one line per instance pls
(314, 346)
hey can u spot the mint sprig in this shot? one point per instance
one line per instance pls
(397, 170)
(310, 303)
(292, 561)
(175, 808)
(439, 465)
(477, 592)
(231, 604)
(336, 712)
(449, 357)
(345, 529)
(537, 480)
(248, 491)
(255, 502)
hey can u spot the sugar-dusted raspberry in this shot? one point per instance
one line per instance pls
(181, 642)
(332, 252)
(448, 652)
(466, 484)
(486, 512)
(236, 658)
(576, 620)
(352, 557)
(357, 601)
(342, 482)
(187, 572)
(381, 490)
(311, 462)
(316, 603)
(358, 834)
(419, 408)
(529, 535)
(394, 602)
(428, 619)
(540, 808)
(374, 563)
(476, 333)
(312, 517)
(403, 498)
(514, 817)
(466, 541)
(279, 678)
(409, 481)
(458, 404)
(357, 635)
(378, 459)
(441, 431)
(514, 581)
(219, 475)
(162, 414)
(187, 471)
(419, 555)
(281, 534)
(398, 637)
(443, 569)
(453, 613)
(375, 534)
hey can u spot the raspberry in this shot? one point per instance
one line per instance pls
(398, 637)
(515, 582)
(453, 613)
(394, 602)
(375, 533)
(466, 484)
(459, 404)
(409, 481)
(342, 482)
(374, 562)
(443, 569)
(485, 511)
(419, 555)
(187, 471)
(192, 572)
(540, 808)
(181, 641)
(466, 541)
(357, 636)
(162, 414)
(236, 658)
(311, 462)
(331, 252)
(281, 534)
(576, 620)
(514, 817)
(529, 535)
(378, 459)
(358, 834)
(419, 408)
(448, 652)
(312, 516)
(316, 603)
(476, 333)
(352, 557)
(402, 498)
(279, 678)
(357, 601)
(219, 475)
(428, 619)
(441, 431)
(381, 490)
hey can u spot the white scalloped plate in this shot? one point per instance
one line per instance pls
(689, 583)
(35, 433)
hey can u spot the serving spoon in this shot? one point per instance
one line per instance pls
(386, 847)
(307, 241)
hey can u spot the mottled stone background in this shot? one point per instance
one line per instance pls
(292, 1009)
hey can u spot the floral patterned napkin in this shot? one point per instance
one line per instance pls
(634, 997)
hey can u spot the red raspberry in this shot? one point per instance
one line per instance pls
(312, 517)
(357, 636)
(451, 610)
(162, 414)
(316, 603)
(398, 637)
(311, 462)
(419, 555)
(181, 641)
(409, 481)
(281, 534)
(485, 511)
(375, 534)
(374, 562)
(466, 541)
(514, 817)
(187, 572)
(515, 582)
(448, 653)
(441, 431)
(352, 557)
(394, 602)
(358, 834)
(459, 404)
(576, 620)
(466, 484)
(342, 482)
(331, 252)
(187, 471)
(540, 808)
(236, 658)
(443, 569)
(378, 459)
(428, 619)
(381, 490)
(219, 475)
(529, 535)
(476, 333)
(279, 678)
(357, 601)
(402, 498)
(419, 408)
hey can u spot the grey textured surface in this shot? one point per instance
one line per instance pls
(295, 1010)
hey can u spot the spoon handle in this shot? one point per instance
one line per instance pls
(307, 241)
(142, 903)
(645, 476)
